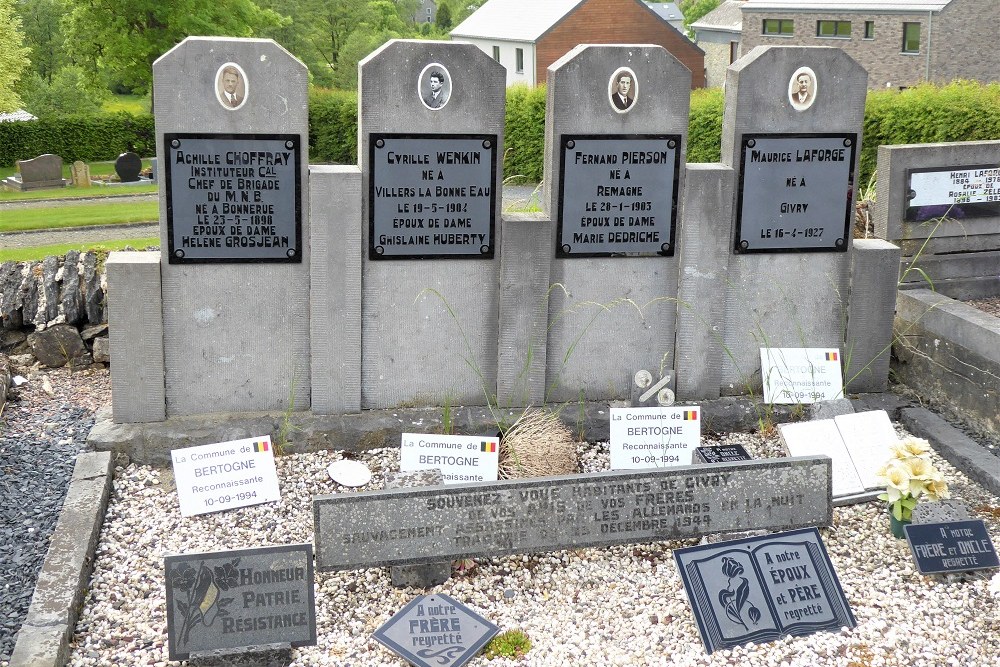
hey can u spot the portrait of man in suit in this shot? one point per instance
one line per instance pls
(435, 86)
(623, 89)
(802, 88)
(231, 86)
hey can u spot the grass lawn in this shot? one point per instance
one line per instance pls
(133, 104)
(105, 168)
(81, 215)
(71, 192)
(41, 252)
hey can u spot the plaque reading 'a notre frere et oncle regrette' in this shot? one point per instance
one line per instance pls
(618, 195)
(233, 198)
(432, 196)
(795, 192)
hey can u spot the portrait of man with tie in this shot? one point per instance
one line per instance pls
(623, 89)
(434, 86)
(802, 88)
(231, 86)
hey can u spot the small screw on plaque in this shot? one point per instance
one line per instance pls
(570, 144)
(179, 254)
(175, 143)
(379, 250)
(848, 142)
(289, 144)
(665, 247)
(751, 143)
(840, 243)
(643, 379)
(379, 143)
(911, 194)
(566, 247)
(290, 252)
(484, 249)
(744, 245)
(487, 143)
(672, 143)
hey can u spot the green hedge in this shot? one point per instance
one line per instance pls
(88, 138)
(960, 111)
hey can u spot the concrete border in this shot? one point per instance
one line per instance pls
(959, 449)
(43, 640)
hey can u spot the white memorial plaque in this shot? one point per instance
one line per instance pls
(868, 436)
(654, 437)
(822, 437)
(800, 374)
(955, 186)
(349, 473)
(225, 475)
(461, 458)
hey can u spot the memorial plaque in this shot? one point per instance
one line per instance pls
(436, 631)
(428, 524)
(795, 193)
(722, 454)
(951, 547)
(232, 600)
(432, 196)
(958, 192)
(760, 589)
(868, 437)
(821, 436)
(654, 437)
(460, 458)
(233, 198)
(618, 195)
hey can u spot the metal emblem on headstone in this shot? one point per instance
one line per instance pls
(436, 631)
(763, 588)
(795, 193)
(233, 198)
(958, 546)
(645, 393)
(618, 195)
(432, 196)
(236, 600)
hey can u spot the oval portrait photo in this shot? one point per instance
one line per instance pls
(434, 86)
(802, 88)
(623, 89)
(231, 86)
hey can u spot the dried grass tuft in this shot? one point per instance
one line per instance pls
(537, 445)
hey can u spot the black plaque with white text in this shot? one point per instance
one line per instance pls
(618, 195)
(957, 546)
(795, 193)
(432, 196)
(233, 198)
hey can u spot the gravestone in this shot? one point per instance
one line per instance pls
(44, 171)
(760, 589)
(127, 166)
(80, 172)
(231, 602)
(427, 524)
(795, 159)
(423, 575)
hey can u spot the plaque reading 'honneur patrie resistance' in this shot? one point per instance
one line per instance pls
(233, 198)
(618, 195)
(432, 196)
(795, 192)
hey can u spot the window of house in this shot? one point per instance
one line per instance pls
(519, 57)
(734, 52)
(911, 38)
(869, 29)
(833, 28)
(778, 27)
(496, 53)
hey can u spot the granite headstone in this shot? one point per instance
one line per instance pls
(127, 166)
(958, 546)
(436, 631)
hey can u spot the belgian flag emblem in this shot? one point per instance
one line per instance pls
(261, 446)
(485, 446)
(831, 356)
(690, 415)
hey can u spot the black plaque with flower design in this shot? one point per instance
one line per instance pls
(763, 588)
(234, 601)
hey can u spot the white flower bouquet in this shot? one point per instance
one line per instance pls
(909, 476)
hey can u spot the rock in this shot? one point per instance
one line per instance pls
(50, 290)
(93, 295)
(102, 350)
(59, 345)
(10, 339)
(72, 299)
(5, 374)
(10, 295)
(30, 290)
(93, 332)
(22, 360)
(829, 409)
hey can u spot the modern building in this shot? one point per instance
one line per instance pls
(900, 42)
(526, 36)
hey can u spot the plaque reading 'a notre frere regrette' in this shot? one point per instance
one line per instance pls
(795, 192)
(432, 196)
(618, 195)
(233, 198)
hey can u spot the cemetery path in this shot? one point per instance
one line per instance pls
(73, 201)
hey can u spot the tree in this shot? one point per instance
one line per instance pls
(122, 38)
(69, 92)
(43, 34)
(695, 9)
(13, 56)
(443, 18)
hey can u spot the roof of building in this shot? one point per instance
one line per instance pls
(915, 6)
(668, 11)
(515, 20)
(727, 16)
(20, 114)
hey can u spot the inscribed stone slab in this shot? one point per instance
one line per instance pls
(392, 527)
(822, 437)
(867, 436)
(436, 631)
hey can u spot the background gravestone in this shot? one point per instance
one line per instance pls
(127, 166)
(81, 174)
(235, 334)
(638, 330)
(44, 171)
(412, 348)
(788, 299)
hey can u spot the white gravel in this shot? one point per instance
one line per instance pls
(614, 606)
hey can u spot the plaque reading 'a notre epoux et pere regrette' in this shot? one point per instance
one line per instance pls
(233, 198)
(795, 193)
(432, 196)
(618, 195)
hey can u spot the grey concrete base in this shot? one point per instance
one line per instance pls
(253, 656)
(420, 576)
(44, 637)
(960, 450)
(874, 273)
(150, 443)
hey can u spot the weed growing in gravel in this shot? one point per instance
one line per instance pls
(509, 644)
